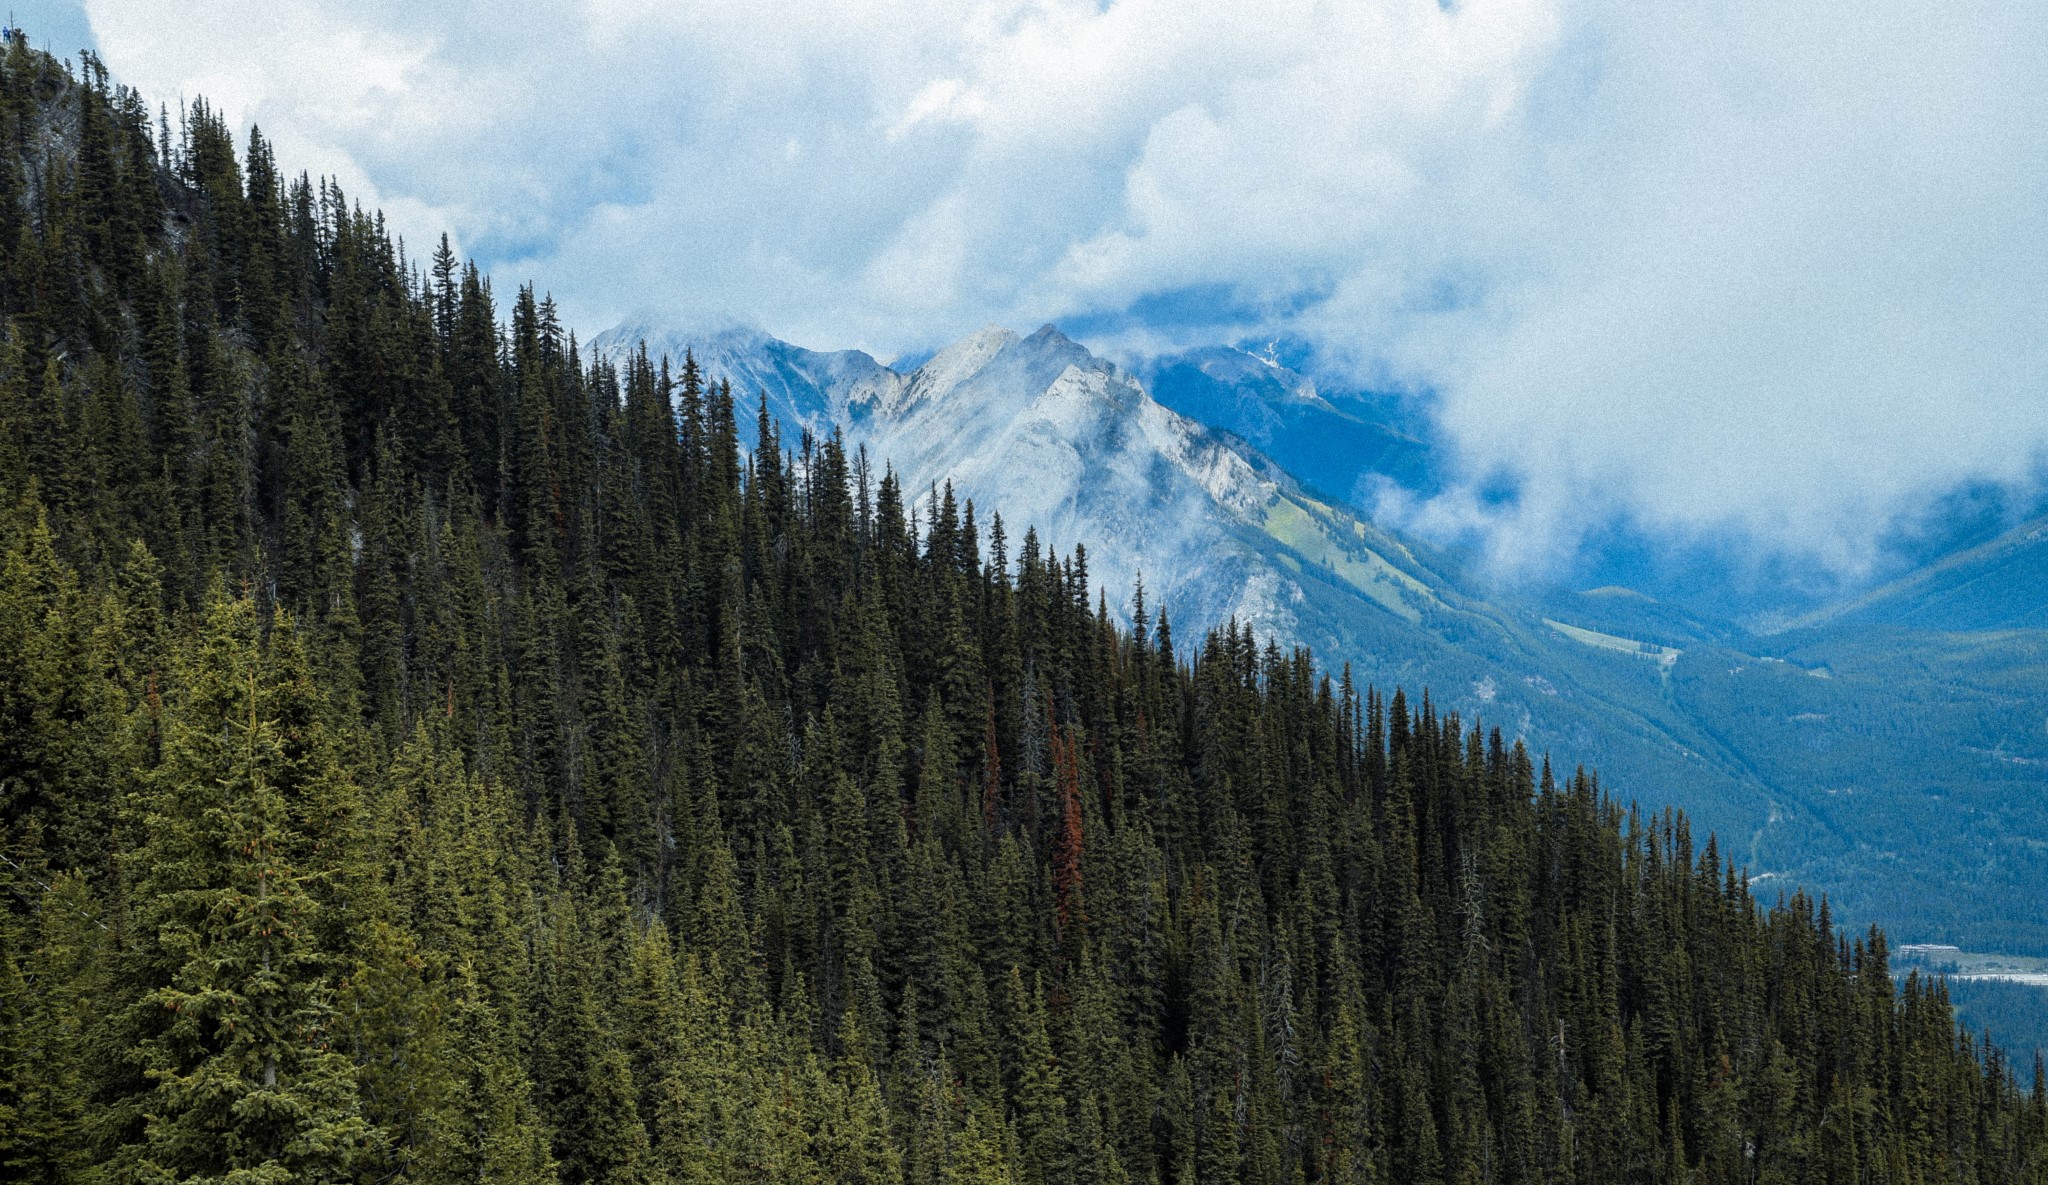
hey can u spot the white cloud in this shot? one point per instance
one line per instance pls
(943, 100)
(1791, 280)
(1778, 268)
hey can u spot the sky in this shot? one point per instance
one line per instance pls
(1773, 271)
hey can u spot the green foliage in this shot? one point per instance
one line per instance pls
(2015, 1014)
(428, 757)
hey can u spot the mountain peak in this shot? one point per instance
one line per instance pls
(989, 337)
(662, 333)
(954, 365)
(970, 352)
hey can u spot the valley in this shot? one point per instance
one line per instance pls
(1973, 966)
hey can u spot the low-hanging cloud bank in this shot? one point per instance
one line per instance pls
(1772, 268)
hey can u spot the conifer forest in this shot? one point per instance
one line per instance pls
(430, 754)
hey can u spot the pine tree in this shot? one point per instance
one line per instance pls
(230, 996)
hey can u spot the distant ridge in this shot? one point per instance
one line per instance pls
(2000, 585)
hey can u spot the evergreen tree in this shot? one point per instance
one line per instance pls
(229, 993)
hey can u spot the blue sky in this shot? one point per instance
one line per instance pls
(1772, 268)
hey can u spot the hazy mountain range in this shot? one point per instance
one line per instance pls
(1891, 750)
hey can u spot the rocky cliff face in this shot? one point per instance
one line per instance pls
(1064, 443)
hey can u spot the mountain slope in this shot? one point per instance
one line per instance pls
(1871, 768)
(1329, 442)
(1065, 443)
(2000, 585)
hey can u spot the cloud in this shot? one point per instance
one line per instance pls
(1791, 280)
(1776, 269)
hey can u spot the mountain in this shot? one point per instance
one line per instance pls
(1337, 443)
(1631, 613)
(1351, 445)
(1067, 444)
(803, 388)
(2000, 585)
(1884, 769)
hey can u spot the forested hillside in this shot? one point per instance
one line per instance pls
(427, 757)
